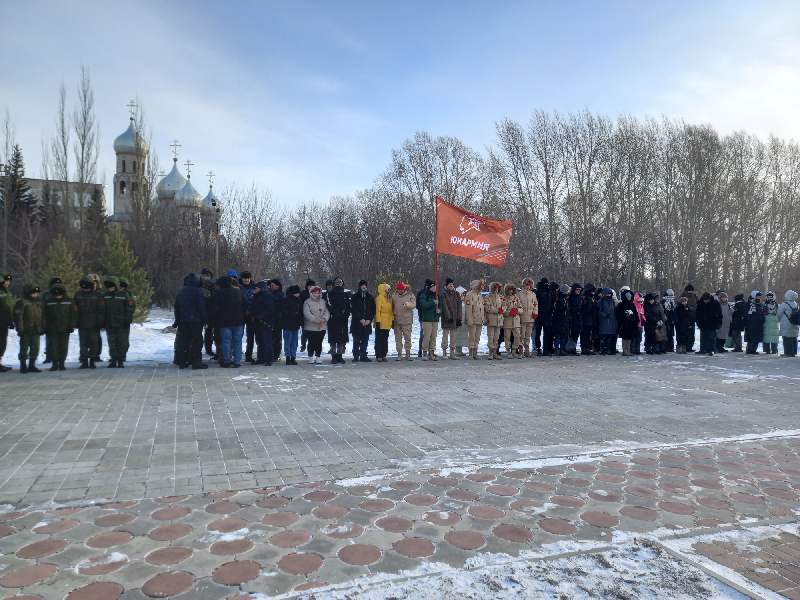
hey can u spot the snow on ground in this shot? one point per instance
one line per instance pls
(148, 345)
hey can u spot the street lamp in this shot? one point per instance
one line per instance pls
(216, 237)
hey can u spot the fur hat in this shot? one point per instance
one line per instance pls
(293, 289)
(648, 297)
(246, 275)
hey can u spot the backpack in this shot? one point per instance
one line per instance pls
(794, 316)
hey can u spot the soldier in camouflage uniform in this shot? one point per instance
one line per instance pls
(58, 320)
(117, 316)
(97, 288)
(123, 285)
(6, 315)
(44, 297)
(88, 308)
(28, 322)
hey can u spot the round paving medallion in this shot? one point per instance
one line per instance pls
(43, 548)
(405, 486)
(227, 525)
(289, 539)
(443, 481)
(757, 460)
(642, 492)
(550, 471)
(540, 486)
(273, 502)
(168, 533)
(11, 516)
(600, 519)
(300, 563)
(95, 591)
(442, 517)
(283, 518)
(778, 493)
(395, 524)
(171, 499)
(678, 508)
(747, 498)
(377, 505)
(6, 530)
(229, 494)
(675, 471)
(330, 511)
(568, 501)
(713, 503)
(72, 511)
(102, 564)
(28, 575)
(613, 464)
(502, 490)
(359, 554)
(605, 496)
(512, 533)
(463, 495)
(583, 468)
(640, 513)
(791, 471)
(319, 496)
(56, 526)
(557, 526)
(414, 547)
(109, 539)
(517, 474)
(486, 512)
(781, 512)
(575, 481)
(223, 508)
(168, 584)
(770, 475)
(674, 488)
(170, 555)
(171, 513)
(115, 520)
(231, 548)
(362, 490)
(421, 499)
(237, 572)
(115, 506)
(342, 531)
(610, 478)
(641, 474)
(481, 477)
(526, 506)
(466, 540)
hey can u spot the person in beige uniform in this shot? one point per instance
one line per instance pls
(511, 321)
(494, 307)
(474, 316)
(403, 305)
(451, 318)
(527, 314)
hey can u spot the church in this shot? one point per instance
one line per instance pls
(175, 195)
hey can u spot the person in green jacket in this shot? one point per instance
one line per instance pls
(88, 308)
(771, 325)
(28, 322)
(44, 297)
(430, 309)
(117, 316)
(123, 285)
(58, 321)
(6, 315)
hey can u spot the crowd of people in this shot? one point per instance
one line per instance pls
(236, 319)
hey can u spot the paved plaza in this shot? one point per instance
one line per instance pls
(269, 481)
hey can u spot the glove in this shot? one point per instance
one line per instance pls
(451, 320)
(514, 312)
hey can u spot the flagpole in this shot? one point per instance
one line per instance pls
(435, 247)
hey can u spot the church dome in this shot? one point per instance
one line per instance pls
(131, 142)
(172, 183)
(188, 196)
(211, 203)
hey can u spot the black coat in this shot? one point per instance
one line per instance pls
(739, 317)
(709, 316)
(653, 313)
(338, 302)
(684, 326)
(627, 320)
(588, 308)
(754, 329)
(190, 303)
(229, 304)
(560, 320)
(575, 311)
(263, 309)
(545, 300)
(362, 306)
(291, 313)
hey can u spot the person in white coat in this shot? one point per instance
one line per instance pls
(788, 331)
(315, 316)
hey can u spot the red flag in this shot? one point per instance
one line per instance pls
(462, 233)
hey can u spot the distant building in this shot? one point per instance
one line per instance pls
(54, 191)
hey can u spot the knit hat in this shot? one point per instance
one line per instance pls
(670, 292)
(576, 286)
(544, 281)
(294, 289)
(683, 299)
(722, 296)
(362, 282)
(338, 281)
(310, 282)
(400, 286)
(564, 288)
(246, 275)
(428, 283)
(448, 281)
(232, 273)
(208, 272)
(738, 297)
(689, 287)
(315, 288)
(329, 282)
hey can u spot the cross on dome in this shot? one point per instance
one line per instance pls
(175, 145)
(210, 175)
(132, 106)
(189, 164)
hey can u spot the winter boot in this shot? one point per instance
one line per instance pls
(526, 352)
(120, 363)
(91, 364)
(355, 359)
(32, 366)
(54, 366)
(23, 366)
(47, 361)
(226, 365)
(4, 369)
(181, 366)
(626, 348)
(112, 364)
(84, 364)
(198, 364)
(433, 356)
(61, 366)
(408, 355)
(399, 356)
(497, 355)
(453, 355)
(460, 352)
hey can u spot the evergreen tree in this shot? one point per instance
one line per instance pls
(59, 262)
(16, 190)
(118, 260)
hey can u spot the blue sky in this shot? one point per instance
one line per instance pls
(308, 98)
